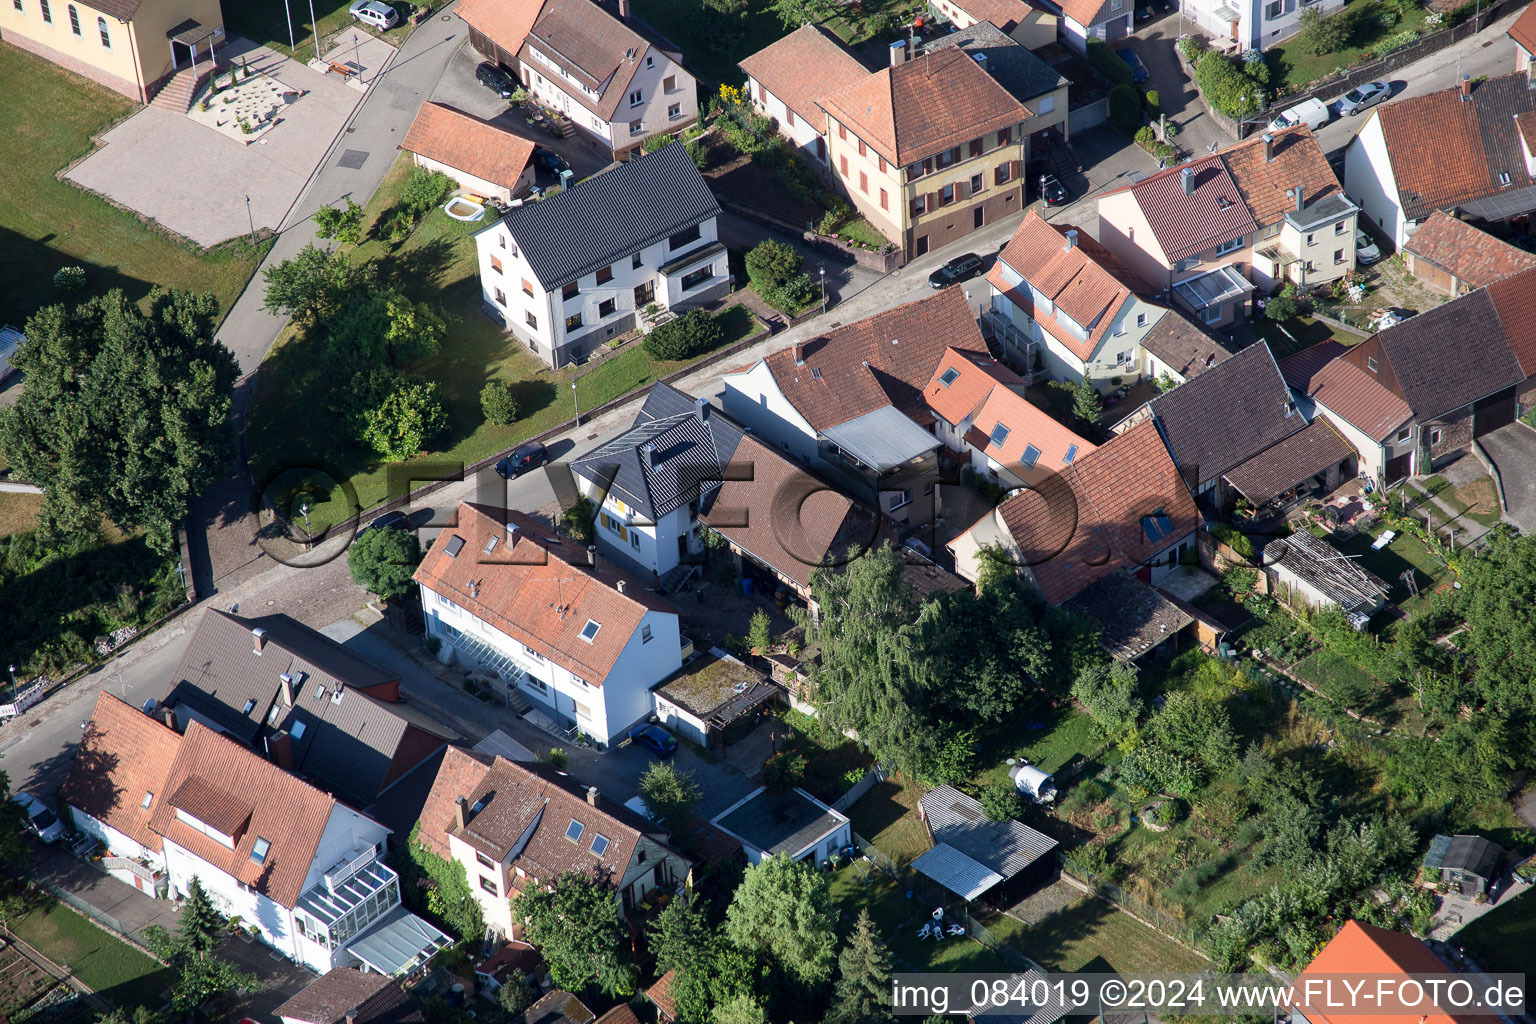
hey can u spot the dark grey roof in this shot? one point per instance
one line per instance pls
(354, 746)
(1475, 854)
(347, 994)
(1324, 211)
(1015, 67)
(1227, 415)
(667, 457)
(1322, 567)
(1006, 847)
(1134, 617)
(611, 216)
(1450, 356)
(779, 822)
(1178, 342)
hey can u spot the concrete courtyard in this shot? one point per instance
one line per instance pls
(194, 181)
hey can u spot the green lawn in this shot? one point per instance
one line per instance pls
(898, 918)
(46, 223)
(1072, 735)
(266, 22)
(1502, 939)
(107, 964)
(1293, 335)
(1343, 681)
(436, 264)
(1291, 70)
(1090, 931)
(860, 230)
(1404, 552)
(887, 817)
(1477, 500)
(18, 512)
(714, 42)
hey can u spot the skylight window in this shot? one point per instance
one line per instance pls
(1031, 456)
(149, 798)
(320, 692)
(815, 374)
(455, 545)
(1071, 454)
(573, 831)
(999, 435)
(599, 844)
(250, 705)
(589, 631)
(1157, 525)
(490, 545)
(950, 376)
(296, 730)
(260, 850)
(272, 716)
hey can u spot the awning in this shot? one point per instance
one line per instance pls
(882, 439)
(691, 259)
(1305, 454)
(1501, 205)
(399, 944)
(190, 33)
(1221, 285)
(956, 872)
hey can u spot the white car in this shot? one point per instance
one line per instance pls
(1312, 113)
(1366, 250)
(374, 12)
(40, 817)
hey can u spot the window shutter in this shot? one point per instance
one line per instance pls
(933, 201)
(1013, 170)
(975, 147)
(959, 190)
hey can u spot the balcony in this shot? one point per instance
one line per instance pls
(1019, 348)
(344, 869)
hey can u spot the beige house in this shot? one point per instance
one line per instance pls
(481, 157)
(132, 47)
(929, 150)
(1216, 231)
(1026, 24)
(786, 79)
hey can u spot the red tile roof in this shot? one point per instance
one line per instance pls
(1525, 124)
(1186, 225)
(884, 359)
(1514, 299)
(1362, 949)
(925, 106)
(123, 759)
(975, 375)
(661, 994)
(621, 1014)
(1523, 31)
(536, 587)
(1005, 14)
(1299, 368)
(505, 22)
(1083, 280)
(1445, 151)
(466, 143)
(1028, 427)
(1084, 12)
(1088, 521)
(221, 778)
(1296, 160)
(1359, 399)
(1471, 255)
(803, 67)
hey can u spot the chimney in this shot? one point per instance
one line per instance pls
(1187, 178)
(1269, 147)
(170, 718)
(701, 409)
(799, 353)
(898, 52)
(592, 555)
(460, 810)
(981, 59)
(258, 640)
(1071, 239)
(623, 10)
(287, 681)
(592, 795)
(280, 749)
(1466, 87)
(1301, 198)
(651, 455)
(622, 585)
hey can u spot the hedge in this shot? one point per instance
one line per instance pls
(1234, 539)
(1125, 108)
(1107, 63)
(1225, 87)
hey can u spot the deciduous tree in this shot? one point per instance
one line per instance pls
(782, 910)
(410, 418)
(344, 224)
(124, 413)
(382, 562)
(670, 794)
(310, 286)
(575, 924)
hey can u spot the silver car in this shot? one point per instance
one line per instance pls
(1363, 98)
(40, 817)
(1366, 250)
(374, 12)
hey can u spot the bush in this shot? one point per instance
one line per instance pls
(1105, 62)
(774, 271)
(783, 771)
(1192, 47)
(1001, 801)
(1225, 88)
(1394, 42)
(1324, 33)
(1283, 305)
(654, 142)
(424, 190)
(1153, 102)
(698, 153)
(1234, 539)
(838, 211)
(1125, 108)
(69, 279)
(407, 420)
(694, 332)
(497, 402)
(1144, 137)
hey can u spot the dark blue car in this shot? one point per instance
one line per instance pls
(1139, 72)
(655, 739)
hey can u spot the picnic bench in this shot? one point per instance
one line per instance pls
(348, 69)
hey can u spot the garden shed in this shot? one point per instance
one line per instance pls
(975, 857)
(1307, 570)
(1468, 864)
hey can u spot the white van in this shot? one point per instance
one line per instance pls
(1312, 113)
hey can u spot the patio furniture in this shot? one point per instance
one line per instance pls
(1385, 539)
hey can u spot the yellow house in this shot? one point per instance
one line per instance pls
(1025, 23)
(130, 46)
(928, 150)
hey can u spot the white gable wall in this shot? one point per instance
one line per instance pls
(1369, 181)
(753, 399)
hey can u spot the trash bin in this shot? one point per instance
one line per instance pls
(746, 586)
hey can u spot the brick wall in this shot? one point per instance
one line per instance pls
(1455, 434)
(79, 67)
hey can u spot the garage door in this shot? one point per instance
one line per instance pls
(1493, 412)
(1398, 468)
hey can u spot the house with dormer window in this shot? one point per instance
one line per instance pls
(568, 634)
(513, 825)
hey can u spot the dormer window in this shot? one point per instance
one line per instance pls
(589, 631)
(1504, 179)
(573, 830)
(260, 850)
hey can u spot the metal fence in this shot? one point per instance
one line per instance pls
(106, 920)
(1133, 905)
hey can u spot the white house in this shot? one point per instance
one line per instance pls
(575, 270)
(649, 482)
(1061, 300)
(300, 868)
(1082, 20)
(786, 79)
(1254, 24)
(615, 78)
(564, 629)
(794, 824)
(515, 825)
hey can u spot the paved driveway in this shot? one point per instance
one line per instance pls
(1513, 450)
(1177, 96)
(195, 181)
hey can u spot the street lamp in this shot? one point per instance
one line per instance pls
(823, 289)
(251, 219)
(314, 28)
(576, 401)
(354, 54)
(289, 14)
(304, 511)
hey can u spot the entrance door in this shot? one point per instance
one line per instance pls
(645, 294)
(1398, 468)
(978, 217)
(922, 245)
(682, 546)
